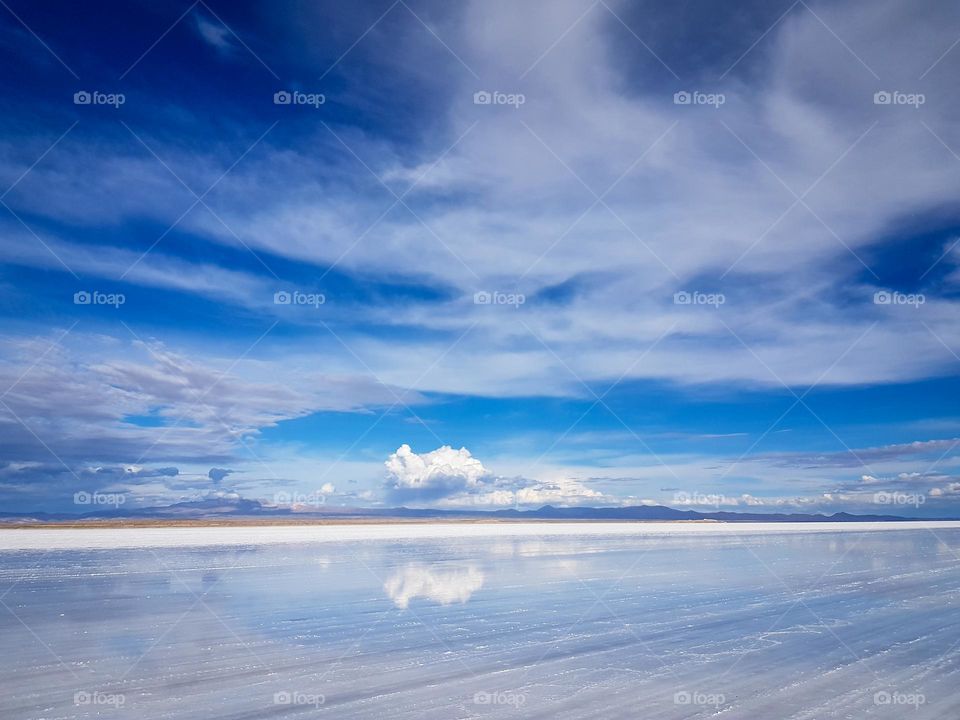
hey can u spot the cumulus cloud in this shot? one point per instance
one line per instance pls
(455, 478)
(434, 474)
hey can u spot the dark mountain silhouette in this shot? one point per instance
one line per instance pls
(251, 509)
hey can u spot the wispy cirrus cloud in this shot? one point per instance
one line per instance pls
(609, 205)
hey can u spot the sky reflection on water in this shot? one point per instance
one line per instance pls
(789, 626)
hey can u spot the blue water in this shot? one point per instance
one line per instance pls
(826, 625)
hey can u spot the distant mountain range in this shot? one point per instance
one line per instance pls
(251, 509)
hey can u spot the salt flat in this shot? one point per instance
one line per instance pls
(609, 621)
(105, 538)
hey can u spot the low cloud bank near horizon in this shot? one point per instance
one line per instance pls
(713, 248)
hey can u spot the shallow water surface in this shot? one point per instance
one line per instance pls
(743, 625)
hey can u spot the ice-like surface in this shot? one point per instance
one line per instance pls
(66, 537)
(845, 622)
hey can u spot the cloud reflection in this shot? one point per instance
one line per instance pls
(444, 586)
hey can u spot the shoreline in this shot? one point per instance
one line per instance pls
(101, 538)
(117, 523)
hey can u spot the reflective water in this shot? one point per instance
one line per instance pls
(819, 625)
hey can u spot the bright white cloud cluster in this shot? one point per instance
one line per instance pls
(441, 468)
(512, 492)
(559, 492)
(454, 478)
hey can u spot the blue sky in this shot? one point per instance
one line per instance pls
(687, 255)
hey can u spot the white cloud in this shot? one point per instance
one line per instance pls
(707, 202)
(97, 401)
(214, 33)
(455, 479)
(504, 492)
(560, 492)
(699, 200)
(485, 500)
(440, 471)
